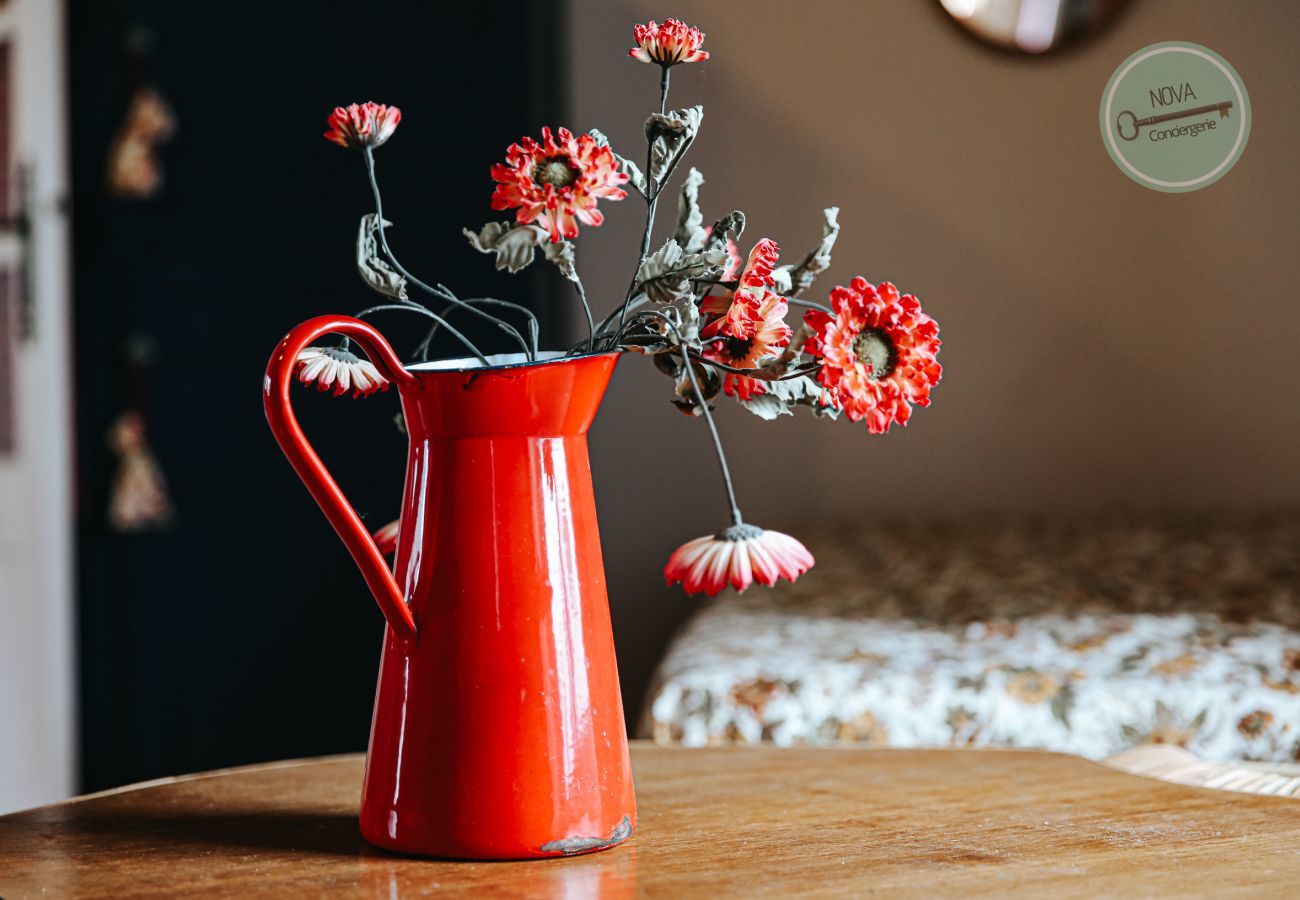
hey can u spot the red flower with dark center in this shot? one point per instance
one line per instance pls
(557, 182)
(878, 353)
(668, 44)
(750, 324)
(364, 124)
(753, 331)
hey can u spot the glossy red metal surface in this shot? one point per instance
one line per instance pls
(498, 726)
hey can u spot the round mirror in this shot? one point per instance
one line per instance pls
(1032, 26)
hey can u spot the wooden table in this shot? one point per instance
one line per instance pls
(716, 822)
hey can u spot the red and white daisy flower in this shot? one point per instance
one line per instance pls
(386, 537)
(878, 353)
(668, 44)
(557, 181)
(361, 125)
(739, 556)
(750, 325)
(332, 367)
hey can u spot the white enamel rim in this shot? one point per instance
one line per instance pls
(500, 361)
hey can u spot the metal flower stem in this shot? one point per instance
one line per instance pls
(586, 308)
(756, 373)
(455, 302)
(445, 292)
(713, 431)
(422, 351)
(795, 301)
(383, 243)
(704, 409)
(652, 200)
(408, 306)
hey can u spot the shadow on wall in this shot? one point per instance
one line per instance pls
(1105, 345)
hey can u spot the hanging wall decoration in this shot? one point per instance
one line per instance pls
(138, 499)
(134, 171)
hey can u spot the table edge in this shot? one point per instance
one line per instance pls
(642, 745)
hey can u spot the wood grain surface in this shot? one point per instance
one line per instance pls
(713, 822)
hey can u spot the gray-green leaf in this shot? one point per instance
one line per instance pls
(376, 273)
(561, 254)
(666, 274)
(513, 244)
(670, 134)
(690, 221)
(794, 280)
(731, 225)
(766, 406)
(782, 394)
(626, 166)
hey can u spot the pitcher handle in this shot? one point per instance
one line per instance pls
(279, 413)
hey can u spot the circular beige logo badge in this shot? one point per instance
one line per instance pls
(1175, 117)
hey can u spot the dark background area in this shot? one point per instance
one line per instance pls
(244, 632)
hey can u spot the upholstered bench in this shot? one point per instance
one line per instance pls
(1088, 636)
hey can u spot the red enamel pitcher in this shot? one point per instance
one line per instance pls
(498, 726)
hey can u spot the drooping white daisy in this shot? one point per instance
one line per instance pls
(332, 367)
(739, 556)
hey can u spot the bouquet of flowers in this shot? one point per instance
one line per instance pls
(713, 319)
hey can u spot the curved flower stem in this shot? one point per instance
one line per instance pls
(795, 301)
(533, 326)
(708, 417)
(603, 328)
(757, 373)
(652, 199)
(423, 311)
(369, 154)
(446, 293)
(673, 164)
(586, 308)
(600, 329)
(422, 351)
(651, 205)
(713, 431)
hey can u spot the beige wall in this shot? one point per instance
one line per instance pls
(1105, 345)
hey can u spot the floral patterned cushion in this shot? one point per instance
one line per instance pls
(1087, 637)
